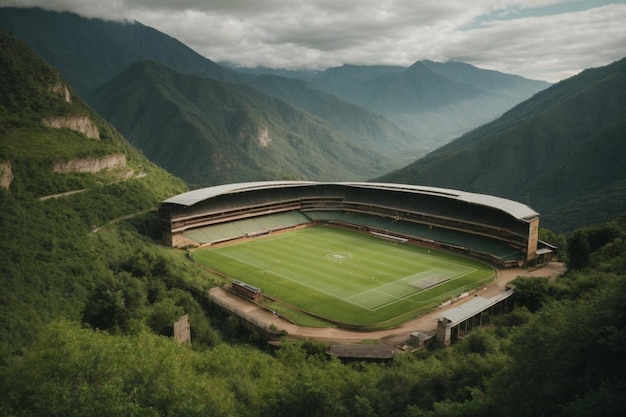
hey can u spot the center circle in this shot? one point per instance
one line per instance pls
(338, 256)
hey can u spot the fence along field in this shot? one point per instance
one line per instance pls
(347, 276)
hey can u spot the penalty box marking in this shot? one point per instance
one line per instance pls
(391, 299)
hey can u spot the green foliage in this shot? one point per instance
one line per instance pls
(583, 242)
(532, 293)
(578, 249)
(25, 84)
(114, 303)
(74, 371)
(581, 361)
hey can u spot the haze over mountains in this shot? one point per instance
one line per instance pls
(434, 100)
(563, 151)
(90, 52)
(206, 131)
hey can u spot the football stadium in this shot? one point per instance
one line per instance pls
(358, 255)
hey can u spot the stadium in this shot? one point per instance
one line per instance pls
(334, 235)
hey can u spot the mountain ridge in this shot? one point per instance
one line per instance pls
(75, 46)
(440, 104)
(370, 128)
(89, 52)
(551, 150)
(245, 134)
(47, 128)
(434, 102)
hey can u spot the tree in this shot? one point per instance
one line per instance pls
(162, 316)
(578, 249)
(114, 302)
(532, 293)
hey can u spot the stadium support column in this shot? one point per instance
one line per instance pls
(533, 239)
(444, 332)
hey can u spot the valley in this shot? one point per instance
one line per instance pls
(101, 121)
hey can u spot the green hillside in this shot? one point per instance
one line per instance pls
(343, 141)
(208, 132)
(56, 195)
(563, 146)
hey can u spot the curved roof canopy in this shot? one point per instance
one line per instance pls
(518, 210)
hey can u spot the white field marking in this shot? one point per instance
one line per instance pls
(395, 299)
(405, 280)
(288, 278)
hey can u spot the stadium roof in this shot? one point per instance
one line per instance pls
(518, 210)
(471, 308)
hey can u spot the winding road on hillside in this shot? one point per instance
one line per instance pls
(401, 334)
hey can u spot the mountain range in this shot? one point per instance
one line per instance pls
(393, 114)
(563, 151)
(434, 100)
(89, 52)
(210, 132)
(560, 149)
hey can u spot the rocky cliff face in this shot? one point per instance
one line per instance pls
(77, 123)
(61, 90)
(261, 135)
(117, 160)
(82, 124)
(6, 175)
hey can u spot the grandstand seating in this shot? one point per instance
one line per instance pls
(432, 216)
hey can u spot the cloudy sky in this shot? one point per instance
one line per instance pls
(540, 39)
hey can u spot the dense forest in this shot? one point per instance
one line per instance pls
(88, 296)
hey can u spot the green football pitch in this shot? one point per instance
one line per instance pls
(346, 276)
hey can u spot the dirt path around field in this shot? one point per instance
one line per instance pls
(425, 324)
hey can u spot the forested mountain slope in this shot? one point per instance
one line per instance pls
(563, 151)
(89, 52)
(66, 173)
(208, 132)
(360, 125)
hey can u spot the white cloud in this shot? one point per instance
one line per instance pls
(542, 39)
